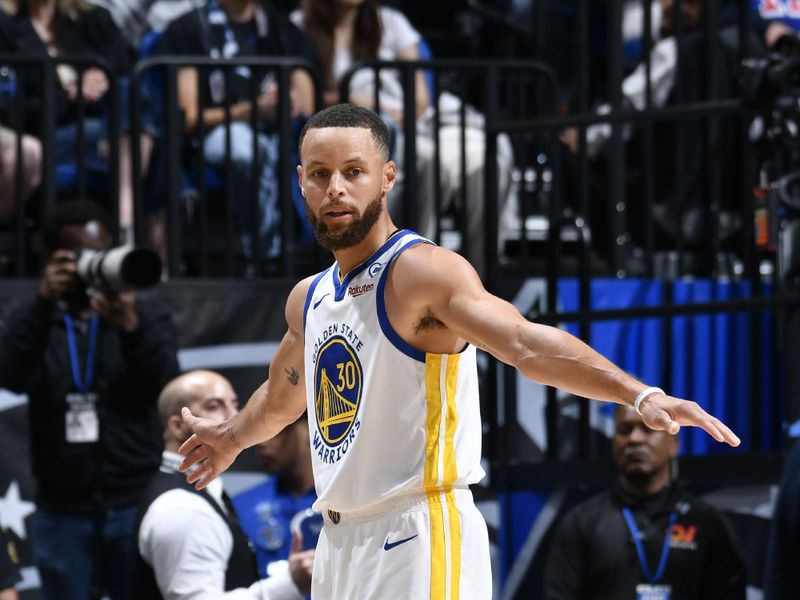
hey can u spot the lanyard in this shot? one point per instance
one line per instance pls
(662, 564)
(82, 384)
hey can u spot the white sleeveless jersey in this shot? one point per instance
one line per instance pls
(385, 418)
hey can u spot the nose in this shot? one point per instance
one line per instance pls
(335, 185)
(638, 435)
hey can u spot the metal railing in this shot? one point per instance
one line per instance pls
(175, 141)
(38, 116)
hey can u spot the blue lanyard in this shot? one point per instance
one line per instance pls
(662, 564)
(82, 384)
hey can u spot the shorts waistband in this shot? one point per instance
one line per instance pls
(398, 504)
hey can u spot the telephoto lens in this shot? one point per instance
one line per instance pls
(120, 269)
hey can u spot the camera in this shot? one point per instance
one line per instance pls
(773, 81)
(120, 269)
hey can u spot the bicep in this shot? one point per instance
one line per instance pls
(287, 375)
(484, 320)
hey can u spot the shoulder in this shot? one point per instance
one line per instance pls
(397, 29)
(285, 35)
(392, 16)
(97, 15)
(177, 511)
(178, 33)
(296, 302)
(434, 269)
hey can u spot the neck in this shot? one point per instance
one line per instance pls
(646, 486)
(349, 258)
(42, 10)
(238, 11)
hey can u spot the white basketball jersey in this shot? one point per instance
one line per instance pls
(385, 418)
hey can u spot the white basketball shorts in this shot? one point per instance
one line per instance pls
(433, 546)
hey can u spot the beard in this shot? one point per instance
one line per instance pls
(351, 235)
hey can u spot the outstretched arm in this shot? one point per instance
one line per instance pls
(541, 353)
(278, 402)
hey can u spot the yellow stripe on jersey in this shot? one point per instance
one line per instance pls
(438, 548)
(451, 422)
(455, 545)
(440, 553)
(451, 474)
(433, 419)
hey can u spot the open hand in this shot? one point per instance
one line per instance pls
(95, 84)
(209, 451)
(665, 413)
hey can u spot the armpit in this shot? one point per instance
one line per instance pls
(427, 323)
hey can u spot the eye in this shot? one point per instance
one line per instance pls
(355, 172)
(319, 173)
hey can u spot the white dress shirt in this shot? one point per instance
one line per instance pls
(188, 545)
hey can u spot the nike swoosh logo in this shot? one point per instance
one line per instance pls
(389, 545)
(316, 303)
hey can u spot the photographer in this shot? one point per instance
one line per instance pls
(92, 362)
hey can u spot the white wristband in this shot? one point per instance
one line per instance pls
(643, 395)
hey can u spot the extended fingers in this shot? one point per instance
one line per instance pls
(723, 432)
(696, 416)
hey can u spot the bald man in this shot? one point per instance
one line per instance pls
(190, 543)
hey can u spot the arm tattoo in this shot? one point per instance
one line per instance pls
(293, 376)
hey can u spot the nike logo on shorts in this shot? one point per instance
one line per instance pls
(316, 303)
(389, 545)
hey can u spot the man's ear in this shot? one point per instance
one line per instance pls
(389, 175)
(176, 428)
(300, 180)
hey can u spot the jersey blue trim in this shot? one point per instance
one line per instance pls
(341, 287)
(383, 318)
(310, 294)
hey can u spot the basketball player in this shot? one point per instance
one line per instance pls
(380, 349)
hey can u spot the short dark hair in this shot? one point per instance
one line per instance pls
(71, 212)
(350, 115)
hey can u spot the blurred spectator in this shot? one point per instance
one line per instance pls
(773, 19)
(781, 575)
(682, 151)
(646, 538)
(663, 61)
(240, 28)
(190, 542)
(136, 17)
(346, 31)
(9, 569)
(266, 510)
(31, 168)
(70, 29)
(92, 362)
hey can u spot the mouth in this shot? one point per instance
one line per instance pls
(337, 215)
(635, 456)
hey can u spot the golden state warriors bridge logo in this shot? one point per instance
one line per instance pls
(338, 382)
